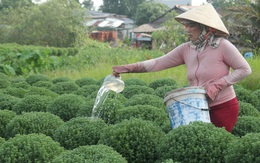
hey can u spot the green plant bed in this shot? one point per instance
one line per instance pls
(7, 101)
(246, 109)
(132, 90)
(5, 117)
(145, 99)
(245, 125)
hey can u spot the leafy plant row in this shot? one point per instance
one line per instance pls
(44, 120)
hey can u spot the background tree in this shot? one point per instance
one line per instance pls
(149, 11)
(88, 4)
(54, 23)
(15, 3)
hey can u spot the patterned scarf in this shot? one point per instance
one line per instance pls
(205, 38)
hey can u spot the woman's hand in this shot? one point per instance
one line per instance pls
(213, 88)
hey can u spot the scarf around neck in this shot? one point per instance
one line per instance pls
(205, 38)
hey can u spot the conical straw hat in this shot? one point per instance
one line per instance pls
(207, 15)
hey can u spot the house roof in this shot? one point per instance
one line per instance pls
(147, 28)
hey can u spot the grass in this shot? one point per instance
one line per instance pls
(96, 62)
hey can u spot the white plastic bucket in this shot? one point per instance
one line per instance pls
(187, 105)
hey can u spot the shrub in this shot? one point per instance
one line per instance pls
(93, 153)
(146, 112)
(246, 96)
(86, 81)
(5, 117)
(64, 87)
(2, 140)
(134, 81)
(32, 103)
(61, 79)
(16, 92)
(131, 90)
(87, 90)
(66, 106)
(161, 91)
(196, 142)
(31, 79)
(20, 84)
(87, 110)
(162, 82)
(33, 122)
(30, 148)
(257, 93)
(245, 149)
(246, 124)
(145, 99)
(134, 139)
(7, 101)
(4, 83)
(44, 84)
(79, 131)
(41, 91)
(246, 109)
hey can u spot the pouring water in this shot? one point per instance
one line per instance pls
(111, 83)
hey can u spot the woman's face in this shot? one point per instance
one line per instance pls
(193, 31)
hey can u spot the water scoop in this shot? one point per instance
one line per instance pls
(114, 83)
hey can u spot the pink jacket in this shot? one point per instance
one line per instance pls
(209, 68)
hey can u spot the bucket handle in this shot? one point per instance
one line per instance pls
(203, 109)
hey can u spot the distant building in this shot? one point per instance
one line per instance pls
(172, 3)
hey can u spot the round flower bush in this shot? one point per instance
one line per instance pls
(2, 140)
(66, 106)
(64, 87)
(162, 82)
(246, 96)
(246, 124)
(145, 99)
(30, 148)
(196, 142)
(33, 122)
(4, 83)
(93, 153)
(161, 91)
(5, 117)
(145, 112)
(41, 91)
(35, 78)
(134, 81)
(86, 90)
(131, 90)
(87, 110)
(61, 79)
(79, 131)
(8, 101)
(257, 93)
(86, 81)
(16, 92)
(246, 109)
(44, 84)
(134, 139)
(245, 149)
(32, 103)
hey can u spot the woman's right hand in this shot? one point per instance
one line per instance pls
(116, 74)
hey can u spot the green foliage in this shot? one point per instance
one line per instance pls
(257, 93)
(8, 101)
(246, 109)
(2, 140)
(149, 11)
(64, 87)
(87, 110)
(245, 149)
(86, 81)
(246, 95)
(134, 81)
(162, 82)
(145, 99)
(161, 91)
(196, 142)
(93, 153)
(44, 84)
(79, 131)
(4, 83)
(33, 122)
(30, 148)
(134, 139)
(32, 103)
(245, 125)
(31, 79)
(66, 106)
(5, 117)
(132, 90)
(146, 112)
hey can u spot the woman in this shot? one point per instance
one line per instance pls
(208, 57)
